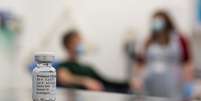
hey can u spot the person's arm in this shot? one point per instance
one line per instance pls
(188, 67)
(65, 77)
(188, 71)
(138, 76)
(138, 73)
(139, 69)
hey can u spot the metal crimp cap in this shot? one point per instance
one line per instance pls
(44, 57)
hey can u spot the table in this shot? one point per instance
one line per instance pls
(24, 94)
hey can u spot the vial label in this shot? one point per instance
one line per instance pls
(44, 85)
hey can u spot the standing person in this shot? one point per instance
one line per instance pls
(165, 62)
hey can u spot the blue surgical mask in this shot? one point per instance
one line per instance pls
(80, 49)
(158, 24)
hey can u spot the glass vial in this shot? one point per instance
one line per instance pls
(44, 78)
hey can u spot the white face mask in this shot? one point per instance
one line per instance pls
(80, 49)
(158, 24)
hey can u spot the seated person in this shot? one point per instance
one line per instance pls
(71, 73)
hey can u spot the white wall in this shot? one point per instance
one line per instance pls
(102, 22)
(105, 22)
(38, 16)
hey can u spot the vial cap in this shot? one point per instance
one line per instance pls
(44, 57)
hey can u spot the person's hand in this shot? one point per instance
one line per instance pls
(92, 84)
(137, 85)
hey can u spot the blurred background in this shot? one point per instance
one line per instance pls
(113, 33)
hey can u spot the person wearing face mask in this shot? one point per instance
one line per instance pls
(164, 64)
(73, 74)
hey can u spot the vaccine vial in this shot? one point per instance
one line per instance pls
(44, 78)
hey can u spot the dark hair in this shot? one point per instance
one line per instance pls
(67, 37)
(167, 18)
(168, 28)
